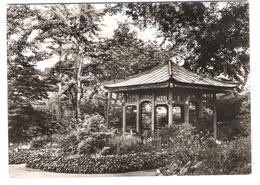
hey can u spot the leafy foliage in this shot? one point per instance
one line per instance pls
(18, 155)
(26, 122)
(209, 39)
(87, 138)
(228, 158)
(125, 54)
(25, 83)
(102, 164)
(209, 157)
(234, 113)
(125, 145)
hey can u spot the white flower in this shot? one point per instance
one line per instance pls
(218, 142)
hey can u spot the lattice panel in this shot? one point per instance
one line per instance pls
(147, 96)
(131, 98)
(162, 96)
(208, 97)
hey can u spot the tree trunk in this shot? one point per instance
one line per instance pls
(80, 60)
(59, 86)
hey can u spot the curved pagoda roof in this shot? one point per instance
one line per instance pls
(161, 77)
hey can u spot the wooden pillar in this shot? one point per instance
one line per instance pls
(187, 110)
(200, 108)
(170, 109)
(108, 107)
(214, 117)
(138, 114)
(114, 107)
(167, 114)
(124, 114)
(153, 113)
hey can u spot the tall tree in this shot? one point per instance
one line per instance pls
(25, 83)
(125, 54)
(71, 28)
(212, 38)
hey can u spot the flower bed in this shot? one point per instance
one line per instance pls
(101, 164)
(19, 156)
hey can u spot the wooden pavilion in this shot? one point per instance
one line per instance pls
(168, 85)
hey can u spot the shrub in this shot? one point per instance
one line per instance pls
(183, 137)
(69, 143)
(234, 113)
(94, 143)
(228, 158)
(40, 142)
(239, 156)
(88, 138)
(26, 122)
(93, 123)
(244, 118)
(214, 159)
(101, 164)
(228, 107)
(19, 156)
(124, 144)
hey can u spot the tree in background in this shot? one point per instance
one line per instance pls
(125, 54)
(210, 39)
(69, 30)
(26, 85)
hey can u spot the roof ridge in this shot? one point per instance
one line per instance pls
(170, 68)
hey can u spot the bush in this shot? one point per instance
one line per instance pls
(101, 164)
(238, 153)
(228, 107)
(26, 122)
(19, 156)
(94, 143)
(69, 143)
(88, 138)
(234, 114)
(212, 159)
(124, 144)
(244, 118)
(183, 137)
(40, 142)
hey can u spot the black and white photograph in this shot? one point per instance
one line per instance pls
(108, 89)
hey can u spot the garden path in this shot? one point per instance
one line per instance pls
(21, 171)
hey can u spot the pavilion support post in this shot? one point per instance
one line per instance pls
(170, 109)
(108, 108)
(138, 114)
(124, 114)
(153, 114)
(214, 117)
(167, 114)
(186, 110)
(114, 107)
(200, 108)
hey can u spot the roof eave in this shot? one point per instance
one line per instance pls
(216, 89)
(138, 87)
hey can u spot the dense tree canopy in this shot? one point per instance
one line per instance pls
(24, 80)
(211, 38)
(125, 54)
